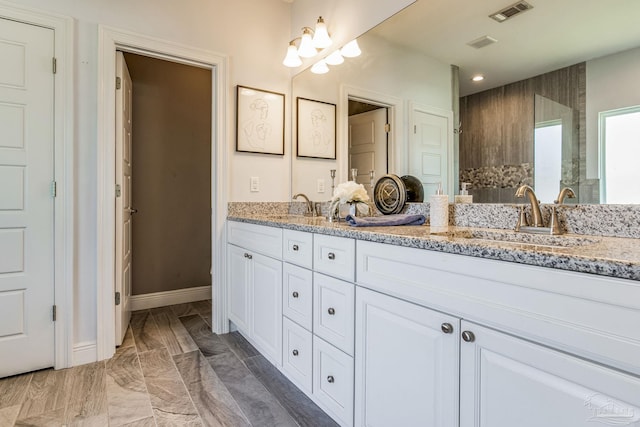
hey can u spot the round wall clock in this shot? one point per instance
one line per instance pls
(390, 194)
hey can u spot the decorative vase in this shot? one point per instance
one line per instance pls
(353, 209)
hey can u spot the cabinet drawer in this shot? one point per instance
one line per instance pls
(334, 256)
(297, 354)
(298, 248)
(297, 296)
(333, 313)
(258, 238)
(333, 380)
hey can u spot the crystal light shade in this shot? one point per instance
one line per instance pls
(306, 49)
(292, 59)
(335, 58)
(320, 67)
(351, 49)
(321, 39)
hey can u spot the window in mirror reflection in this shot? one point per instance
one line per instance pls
(547, 158)
(620, 148)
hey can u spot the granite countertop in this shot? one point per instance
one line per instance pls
(606, 256)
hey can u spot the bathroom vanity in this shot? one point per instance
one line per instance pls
(396, 326)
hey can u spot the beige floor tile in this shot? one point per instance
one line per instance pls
(14, 389)
(127, 397)
(8, 415)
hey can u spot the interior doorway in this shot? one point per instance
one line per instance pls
(111, 40)
(165, 228)
(368, 142)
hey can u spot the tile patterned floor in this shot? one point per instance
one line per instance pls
(171, 370)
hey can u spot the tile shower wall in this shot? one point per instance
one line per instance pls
(496, 145)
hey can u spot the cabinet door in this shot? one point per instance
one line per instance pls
(297, 294)
(266, 294)
(297, 354)
(333, 311)
(239, 287)
(506, 381)
(406, 367)
(333, 381)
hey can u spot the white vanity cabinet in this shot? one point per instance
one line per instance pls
(406, 363)
(506, 381)
(254, 265)
(538, 347)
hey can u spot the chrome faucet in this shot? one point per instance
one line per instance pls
(310, 211)
(564, 193)
(536, 215)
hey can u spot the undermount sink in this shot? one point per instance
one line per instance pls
(509, 236)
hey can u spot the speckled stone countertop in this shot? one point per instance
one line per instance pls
(606, 256)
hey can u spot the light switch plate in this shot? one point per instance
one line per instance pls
(255, 184)
(320, 186)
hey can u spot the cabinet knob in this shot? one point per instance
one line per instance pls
(295, 352)
(295, 247)
(331, 311)
(447, 328)
(248, 256)
(295, 294)
(330, 379)
(468, 336)
(331, 255)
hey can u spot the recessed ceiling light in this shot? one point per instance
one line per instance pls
(478, 78)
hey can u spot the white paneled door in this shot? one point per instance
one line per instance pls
(368, 145)
(26, 197)
(124, 210)
(430, 149)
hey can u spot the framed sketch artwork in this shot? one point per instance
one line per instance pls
(259, 121)
(316, 129)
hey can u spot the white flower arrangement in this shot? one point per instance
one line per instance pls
(352, 193)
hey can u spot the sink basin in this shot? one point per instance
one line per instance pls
(508, 236)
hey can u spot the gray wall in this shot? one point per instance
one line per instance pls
(171, 175)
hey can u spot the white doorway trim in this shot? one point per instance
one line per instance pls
(396, 161)
(110, 39)
(64, 231)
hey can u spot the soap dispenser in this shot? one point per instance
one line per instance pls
(464, 196)
(439, 210)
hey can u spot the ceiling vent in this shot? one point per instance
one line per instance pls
(482, 42)
(511, 11)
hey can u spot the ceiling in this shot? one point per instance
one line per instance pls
(552, 35)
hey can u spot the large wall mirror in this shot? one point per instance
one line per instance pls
(565, 70)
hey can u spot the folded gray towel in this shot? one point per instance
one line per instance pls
(386, 220)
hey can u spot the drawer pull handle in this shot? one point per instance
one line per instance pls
(295, 294)
(447, 328)
(468, 336)
(248, 256)
(331, 311)
(331, 255)
(330, 379)
(295, 352)
(295, 247)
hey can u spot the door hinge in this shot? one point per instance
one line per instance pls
(54, 64)
(54, 189)
(117, 298)
(387, 128)
(118, 83)
(54, 313)
(118, 190)
(415, 129)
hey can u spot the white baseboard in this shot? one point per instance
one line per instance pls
(84, 352)
(161, 299)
